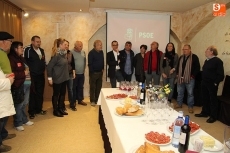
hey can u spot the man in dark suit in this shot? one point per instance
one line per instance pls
(126, 57)
(112, 60)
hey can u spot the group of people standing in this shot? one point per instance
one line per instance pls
(152, 65)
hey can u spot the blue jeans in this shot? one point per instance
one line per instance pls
(153, 76)
(20, 117)
(169, 81)
(118, 78)
(4, 132)
(180, 90)
(70, 88)
(78, 87)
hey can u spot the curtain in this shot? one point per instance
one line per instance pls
(11, 19)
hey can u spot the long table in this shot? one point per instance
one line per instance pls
(124, 134)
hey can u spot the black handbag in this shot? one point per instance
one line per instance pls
(18, 94)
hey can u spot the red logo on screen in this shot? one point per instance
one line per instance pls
(219, 9)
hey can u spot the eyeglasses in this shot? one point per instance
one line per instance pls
(9, 40)
(114, 45)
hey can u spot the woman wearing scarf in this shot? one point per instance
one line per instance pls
(168, 64)
(58, 75)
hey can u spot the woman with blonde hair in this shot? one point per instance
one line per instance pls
(58, 75)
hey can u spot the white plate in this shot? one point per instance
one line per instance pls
(190, 132)
(132, 102)
(128, 116)
(218, 146)
(164, 144)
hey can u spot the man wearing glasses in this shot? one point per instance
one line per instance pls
(187, 69)
(6, 102)
(113, 61)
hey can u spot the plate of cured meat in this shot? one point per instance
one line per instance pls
(194, 127)
(157, 138)
(116, 96)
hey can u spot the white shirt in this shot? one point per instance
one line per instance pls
(38, 52)
(115, 55)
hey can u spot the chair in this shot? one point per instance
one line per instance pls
(224, 102)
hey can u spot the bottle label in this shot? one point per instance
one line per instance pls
(142, 96)
(176, 132)
(182, 138)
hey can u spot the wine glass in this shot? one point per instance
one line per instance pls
(122, 85)
(227, 139)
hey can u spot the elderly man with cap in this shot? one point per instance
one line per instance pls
(6, 102)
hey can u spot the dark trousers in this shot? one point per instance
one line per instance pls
(95, 86)
(4, 132)
(117, 78)
(140, 78)
(209, 98)
(78, 87)
(59, 91)
(127, 77)
(36, 94)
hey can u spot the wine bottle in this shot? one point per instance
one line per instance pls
(177, 129)
(143, 92)
(139, 92)
(184, 136)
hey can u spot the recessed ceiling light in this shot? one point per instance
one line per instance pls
(80, 10)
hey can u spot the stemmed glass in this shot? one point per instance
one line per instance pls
(227, 139)
(122, 85)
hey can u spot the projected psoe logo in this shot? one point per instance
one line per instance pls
(129, 34)
(218, 9)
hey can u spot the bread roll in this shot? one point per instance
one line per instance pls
(151, 148)
(119, 110)
(141, 149)
(134, 108)
(137, 113)
(127, 106)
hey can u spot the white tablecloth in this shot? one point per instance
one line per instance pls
(126, 134)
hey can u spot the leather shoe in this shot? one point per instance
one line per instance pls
(201, 115)
(211, 120)
(73, 108)
(9, 136)
(82, 103)
(63, 112)
(4, 148)
(57, 113)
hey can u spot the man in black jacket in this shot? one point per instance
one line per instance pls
(126, 61)
(187, 69)
(212, 75)
(35, 58)
(112, 60)
(96, 69)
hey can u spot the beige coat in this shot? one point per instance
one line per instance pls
(6, 100)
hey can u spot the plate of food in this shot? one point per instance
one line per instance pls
(147, 147)
(157, 138)
(210, 144)
(133, 97)
(128, 100)
(129, 110)
(194, 127)
(116, 96)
